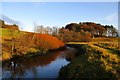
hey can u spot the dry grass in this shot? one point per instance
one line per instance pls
(103, 39)
(110, 60)
(26, 42)
(110, 56)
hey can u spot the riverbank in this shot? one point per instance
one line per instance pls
(93, 62)
(32, 54)
(38, 66)
(19, 43)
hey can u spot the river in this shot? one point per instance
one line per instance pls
(42, 66)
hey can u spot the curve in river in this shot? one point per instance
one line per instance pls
(43, 66)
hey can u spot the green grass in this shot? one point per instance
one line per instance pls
(10, 33)
(83, 67)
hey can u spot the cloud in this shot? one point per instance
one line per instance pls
(111, 17)
(9, 20)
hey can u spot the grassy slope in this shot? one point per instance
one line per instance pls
(8, 32)
(26, 42)
(6, 38)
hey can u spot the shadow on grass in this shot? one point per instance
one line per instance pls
(87, 65)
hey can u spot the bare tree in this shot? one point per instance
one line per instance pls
(55, 31)
(39, 29)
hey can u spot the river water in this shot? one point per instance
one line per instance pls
(43, 66)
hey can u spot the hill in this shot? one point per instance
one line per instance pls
(15, 42)
(12, 27)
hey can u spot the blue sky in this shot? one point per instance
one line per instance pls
(25, 14)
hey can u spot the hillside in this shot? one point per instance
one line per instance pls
(6, 26)
(16, 42)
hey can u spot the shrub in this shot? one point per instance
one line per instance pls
(46, 41)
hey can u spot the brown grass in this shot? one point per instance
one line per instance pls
(28, 42)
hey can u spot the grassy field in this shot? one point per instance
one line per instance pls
(99, 59)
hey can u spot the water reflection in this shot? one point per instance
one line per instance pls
(44, 66)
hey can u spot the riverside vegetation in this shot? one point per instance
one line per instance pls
(18, 43)
(98, 51)
(93, 61)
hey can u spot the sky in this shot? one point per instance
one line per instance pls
(27, 14)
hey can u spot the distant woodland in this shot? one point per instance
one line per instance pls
(82, 32)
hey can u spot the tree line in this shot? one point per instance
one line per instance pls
(96, 30)
(78, 32)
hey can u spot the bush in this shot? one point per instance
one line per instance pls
(46, 41)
